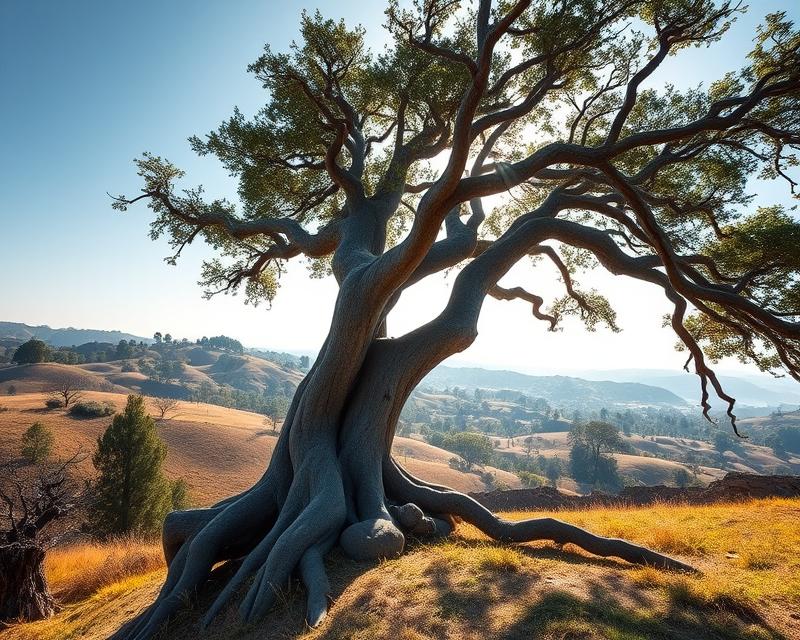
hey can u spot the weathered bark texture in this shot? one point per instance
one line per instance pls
(24, 594)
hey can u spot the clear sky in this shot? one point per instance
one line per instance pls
(88, 86)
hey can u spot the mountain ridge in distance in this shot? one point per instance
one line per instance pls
(66, 336)
(558, 388)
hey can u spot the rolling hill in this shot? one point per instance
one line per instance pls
(748, 389)
(243, 372)
(218, 451)
(196, 427)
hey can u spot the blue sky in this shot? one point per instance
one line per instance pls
(88, 86)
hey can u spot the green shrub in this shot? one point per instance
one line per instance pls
(91, 409)
(37, 443)
(53, 403)
(529, 479)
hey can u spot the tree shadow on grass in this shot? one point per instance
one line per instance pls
(596, 602)
(44, 410)
(560, 614)
(578, 598)
(261, 433)
(438, 593)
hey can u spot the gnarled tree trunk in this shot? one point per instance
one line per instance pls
(332, 479)
(24, 594)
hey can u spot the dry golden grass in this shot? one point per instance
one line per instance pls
(77, 571)
(218, 451)
(469, 587)
(749, 551)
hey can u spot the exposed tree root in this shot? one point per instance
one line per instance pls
(462, 506)
(276, 540)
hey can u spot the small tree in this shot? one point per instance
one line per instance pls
(67, 388)
(529, 445)
(274, 410)
(179, 494)
(165, 406)
(596, 438)
(529, 479)
(168, 369)
(553, 470)
(124, 350)
(723, 442)
(37, 443)
(12, 390)
(132, 493)
(31, 352)
(474, 448)
(682, 478)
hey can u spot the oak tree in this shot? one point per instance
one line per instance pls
(380, 169)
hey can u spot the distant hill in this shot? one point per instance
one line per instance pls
(63, 337)
(746, 393)
(748, 389)
(245, 373)
(558, 390)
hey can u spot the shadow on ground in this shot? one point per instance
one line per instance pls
(476, 590)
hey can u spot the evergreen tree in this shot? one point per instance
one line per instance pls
(31, 352)
(132, 494)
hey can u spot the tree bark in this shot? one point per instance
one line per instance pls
(24, 593)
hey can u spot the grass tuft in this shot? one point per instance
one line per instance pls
(492, 558)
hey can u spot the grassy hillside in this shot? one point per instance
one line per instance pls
(201, 366)
(41, 377)
(468, 587)
(219, 451)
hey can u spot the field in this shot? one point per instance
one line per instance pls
(645, 467)
(468, 587)
(218, 451)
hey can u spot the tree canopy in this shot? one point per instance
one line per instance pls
(474, 448)
(360, 156)
(37, 442)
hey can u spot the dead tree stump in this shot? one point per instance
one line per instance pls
(24, 593)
